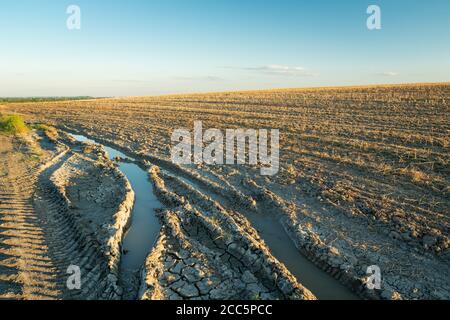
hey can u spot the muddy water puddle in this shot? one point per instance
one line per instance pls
(320, 283)
(144, 228)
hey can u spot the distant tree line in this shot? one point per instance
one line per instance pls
(42, 99)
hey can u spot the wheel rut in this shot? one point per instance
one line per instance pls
(27, 269)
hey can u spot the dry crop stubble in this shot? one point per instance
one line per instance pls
(375, 156)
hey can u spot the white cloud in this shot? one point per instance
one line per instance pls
(200, 78)
(282, 70)
(389, 74)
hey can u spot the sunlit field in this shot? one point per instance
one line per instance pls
(363, 180)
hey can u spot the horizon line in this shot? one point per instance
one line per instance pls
(89, 97)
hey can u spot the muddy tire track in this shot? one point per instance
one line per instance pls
(27, 269)
(84, 225)
(46, 226)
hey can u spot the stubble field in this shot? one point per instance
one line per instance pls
(364, 180)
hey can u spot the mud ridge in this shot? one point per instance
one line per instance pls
(210, 254)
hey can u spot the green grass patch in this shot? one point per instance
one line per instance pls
(49, 131)
(12, 125)
(34, 158)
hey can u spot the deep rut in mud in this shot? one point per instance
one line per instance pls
(270, 229)
(79, 208)
(144, 227)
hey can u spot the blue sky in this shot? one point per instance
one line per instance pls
(146, 47)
